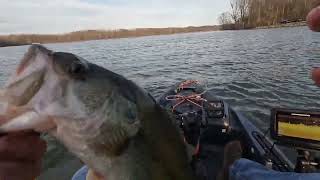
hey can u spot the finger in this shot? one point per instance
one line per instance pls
(18, 170)
(313, 19)
(21, 146)
(315, 75)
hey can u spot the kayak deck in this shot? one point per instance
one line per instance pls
(208, 124)
(205, 123)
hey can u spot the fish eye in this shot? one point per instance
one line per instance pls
(77, 68)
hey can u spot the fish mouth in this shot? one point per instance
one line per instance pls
(29, 120)
(17, 110)
(28, 78)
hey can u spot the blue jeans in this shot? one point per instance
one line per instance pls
(81, 174)
(242, 169)
(245, 169)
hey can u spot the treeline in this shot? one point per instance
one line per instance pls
(254, 13)
(100, 34)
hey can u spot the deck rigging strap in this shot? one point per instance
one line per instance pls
(194, 98)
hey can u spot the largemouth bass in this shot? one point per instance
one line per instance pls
(107, 121)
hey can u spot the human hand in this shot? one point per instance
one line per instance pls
(21, 156)
(313, 19)
(315, 75)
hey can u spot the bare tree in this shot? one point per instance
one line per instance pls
(225, 21)
(243, 11)
(234, 11)
(225, 18)
(240, 11)
(254, 13)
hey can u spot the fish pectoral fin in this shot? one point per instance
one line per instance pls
(92, 175)
(116, 143)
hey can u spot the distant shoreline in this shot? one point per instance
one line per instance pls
(24, 39)
(8, 44)
(89, 35)
(293, 24)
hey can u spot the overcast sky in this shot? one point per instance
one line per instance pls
(59, 16)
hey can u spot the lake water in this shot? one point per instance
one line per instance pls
(253, 70)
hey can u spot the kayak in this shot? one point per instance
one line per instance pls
(209, 123)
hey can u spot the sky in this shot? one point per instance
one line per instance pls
(61, 16)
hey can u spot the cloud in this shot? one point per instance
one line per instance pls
(59, 16)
